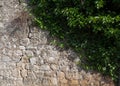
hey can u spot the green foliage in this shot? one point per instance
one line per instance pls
(89, 25)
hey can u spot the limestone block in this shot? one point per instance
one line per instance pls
(27, 81)
(1, 25)
(34, 34)
(16, 59)
(8, 45)
(32, 75)
(14, 46)
(6, 59)
(18, 53)
(46, 81)
(7, 52)
(19, 82)
(29, 53)
(54, 67)
(22, 48)
(40, 73)
(16, 73)
(72, 75)
(14, 40)
(11, 65)
(20, 65)
(83, 83)
(4, 38)
(41, 61)
(63, 81)
(25, 41)
(63, 65)
(33, 61)
(50, 74)
(34, 41)
(45, 67)
(43, 40)
(96, 83)
(74, 83)
(25, 59)
(31, 47)
(28, 66)
(64, 84)
(60, 75)
(24, 73)
(1, 45)
(52, 60)
(54, 82)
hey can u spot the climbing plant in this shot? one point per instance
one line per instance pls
(89, 25)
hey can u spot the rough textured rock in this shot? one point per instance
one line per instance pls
(27, 59)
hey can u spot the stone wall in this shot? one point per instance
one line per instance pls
(28, 59)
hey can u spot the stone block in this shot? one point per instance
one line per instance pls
(33, 61)
(8, 45)
(54, 67)
(25, 41)
(16, 73)
(29, 53)
(54, 82)
(22, 48)
(1, 45)
(45, 67)
(6, 59)
(24, 73)
(52, 60)
(83, 83)
(18, 53)
(60, 75)
(50, 74)
(16, 59)
(74, 83)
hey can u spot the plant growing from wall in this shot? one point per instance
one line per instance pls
(89, 25)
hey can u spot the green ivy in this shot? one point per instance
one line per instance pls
(89, 25)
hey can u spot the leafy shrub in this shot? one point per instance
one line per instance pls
(89, 25)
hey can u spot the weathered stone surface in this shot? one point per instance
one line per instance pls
(1, 25)
(25, 41)
(52, 60)
(4, 38)
(54, 67)
(50, 73)
(74, 83)
(22, 47)
(16, 59)
(29, 53)
(84, 83)
(18, 53)
(72, 75)
(16, 73)
(7, 52)
(5, 59)
(63, 81)
(33, 61)
(28, 59)
(54, 81)
(61, 75)
(45, 67)
(1, 45)
(8, 45)
(25, 59)
(24, 73)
